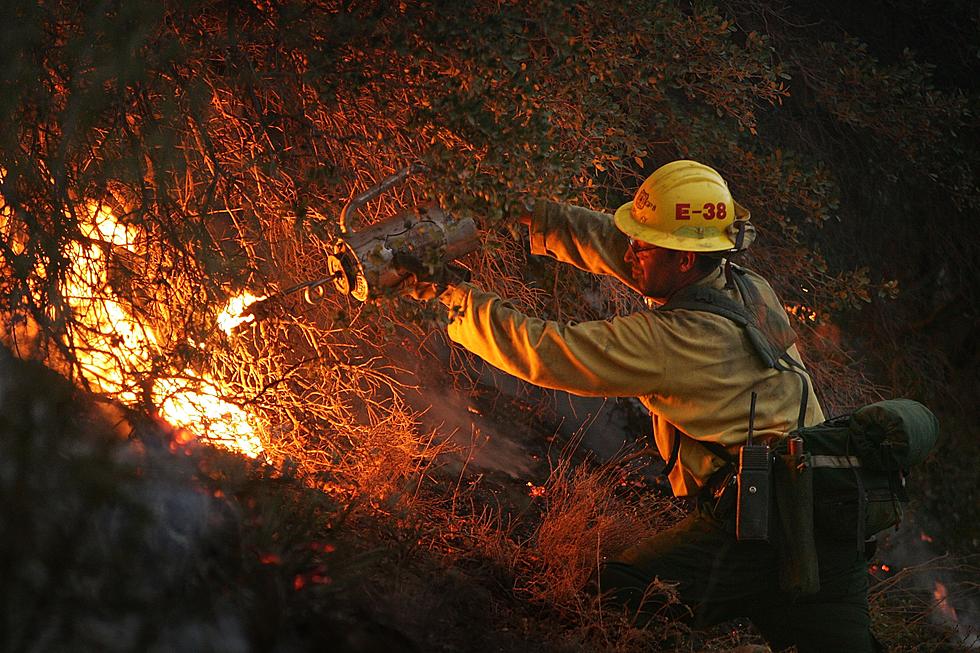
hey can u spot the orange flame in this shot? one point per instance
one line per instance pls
(231, 316)
(802, 312)
(941, 596)
(117, 347)
(535, 491)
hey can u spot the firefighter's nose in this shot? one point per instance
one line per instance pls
(629, 257)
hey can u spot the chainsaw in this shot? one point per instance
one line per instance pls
(421, 242)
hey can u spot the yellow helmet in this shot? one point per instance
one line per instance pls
(683, 205)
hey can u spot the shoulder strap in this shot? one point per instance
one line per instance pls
(768, 332)
(774, 323)
(787, 363)
(711, 300)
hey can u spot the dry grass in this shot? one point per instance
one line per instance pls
(585, 518)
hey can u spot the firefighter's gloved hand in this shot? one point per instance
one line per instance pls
(524, 210)
(422, 291)
(423, 288)
(423, 283)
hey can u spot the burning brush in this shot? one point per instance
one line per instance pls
(115, 349)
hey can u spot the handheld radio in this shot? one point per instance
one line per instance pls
(754, 487)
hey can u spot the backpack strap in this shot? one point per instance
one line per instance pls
(768, 331)
(773, 324)
(718, 450)
(862, 511)
(787, 363)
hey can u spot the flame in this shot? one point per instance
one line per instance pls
(231, 316)
(205, 412)
(941, 596)
(535, 491)
(116, 347)
(802, 312)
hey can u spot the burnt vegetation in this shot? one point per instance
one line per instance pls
(219, 142)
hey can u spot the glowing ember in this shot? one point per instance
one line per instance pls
(116, 349)
(231, 316)
(535, 491)
(925, 537)
(802, 312)
(942, 603)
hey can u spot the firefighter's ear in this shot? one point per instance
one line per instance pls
(687, 261)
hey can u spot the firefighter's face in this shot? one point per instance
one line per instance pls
(657, 271)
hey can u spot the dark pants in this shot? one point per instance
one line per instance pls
(720, 578)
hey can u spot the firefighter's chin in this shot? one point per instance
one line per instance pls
(640, 281)
(637, 275)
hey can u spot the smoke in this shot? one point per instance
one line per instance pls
(102, 535)
(499, 425)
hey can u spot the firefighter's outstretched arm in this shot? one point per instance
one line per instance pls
(587, 239)
(615, 357)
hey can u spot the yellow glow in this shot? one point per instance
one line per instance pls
(802, 312)
(117, 348)
(231, 316)
(204, 412)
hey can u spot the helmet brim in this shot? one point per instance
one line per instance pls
(709, 242)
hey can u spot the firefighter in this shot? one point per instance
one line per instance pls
(695, 372)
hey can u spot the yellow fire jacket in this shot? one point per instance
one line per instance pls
(693, 370)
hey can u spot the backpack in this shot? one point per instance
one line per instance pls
(859, 465)
(858, 461)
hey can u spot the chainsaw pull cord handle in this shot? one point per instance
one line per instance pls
(316, 291)
(360, 200)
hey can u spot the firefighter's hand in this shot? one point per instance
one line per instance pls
(424, 284)
(524, 210)
(412, 287)
(423, 291)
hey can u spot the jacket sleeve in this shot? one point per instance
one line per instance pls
(589, 240)
(617, 357)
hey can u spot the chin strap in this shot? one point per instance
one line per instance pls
(743, 233)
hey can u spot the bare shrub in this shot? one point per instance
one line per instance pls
(913, 607)
(589, 514)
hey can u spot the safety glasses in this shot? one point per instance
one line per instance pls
(638, 247)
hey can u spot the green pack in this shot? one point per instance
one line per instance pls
(858, 461)
(859, 464)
